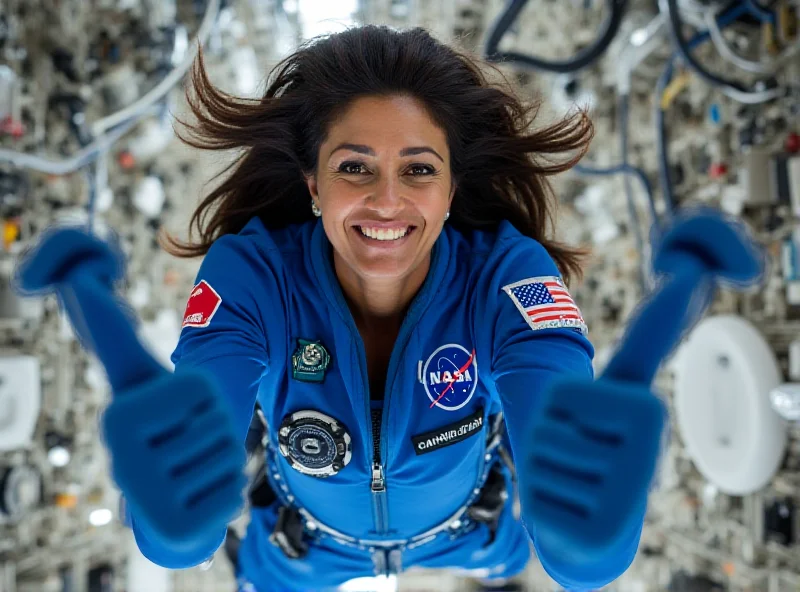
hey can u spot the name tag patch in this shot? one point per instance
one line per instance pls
(449, 434)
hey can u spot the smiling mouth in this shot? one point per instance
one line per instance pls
(385, 239)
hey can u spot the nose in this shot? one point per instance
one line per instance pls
(388, 196)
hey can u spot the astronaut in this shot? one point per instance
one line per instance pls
(395, 331)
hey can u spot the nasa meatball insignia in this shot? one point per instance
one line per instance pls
(449, 434)
(314, 443)
(450, 376)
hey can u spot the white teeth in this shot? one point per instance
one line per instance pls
(383, 234)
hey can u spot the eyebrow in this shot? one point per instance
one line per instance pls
(362, 149)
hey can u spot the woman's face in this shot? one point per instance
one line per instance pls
(384, 170)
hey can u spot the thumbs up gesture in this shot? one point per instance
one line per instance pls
(594, 448)
(174, 451)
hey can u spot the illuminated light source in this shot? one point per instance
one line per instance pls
(639, 36)
(100, 517)
(375, 584)
(58, 456)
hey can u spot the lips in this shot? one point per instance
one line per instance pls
(384, 225)
(383, 244)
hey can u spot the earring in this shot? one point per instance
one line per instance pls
(315, 209)
(446, 216)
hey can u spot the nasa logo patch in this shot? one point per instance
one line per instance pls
(450, 376)
(203, 304)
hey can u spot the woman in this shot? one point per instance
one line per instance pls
(377, 277)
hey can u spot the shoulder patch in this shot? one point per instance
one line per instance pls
(203, 304)
(545, 303)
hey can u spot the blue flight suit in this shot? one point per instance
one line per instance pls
(475, 341)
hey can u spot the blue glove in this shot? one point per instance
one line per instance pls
(593, 450)
(174, 451)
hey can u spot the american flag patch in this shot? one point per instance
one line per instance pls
(545, 303)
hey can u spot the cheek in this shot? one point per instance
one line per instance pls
(337, 205)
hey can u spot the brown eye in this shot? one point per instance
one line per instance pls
(348, 165)
(424, 167)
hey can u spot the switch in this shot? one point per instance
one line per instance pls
(779, 525)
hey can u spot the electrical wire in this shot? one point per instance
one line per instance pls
(674, 88)
(731, 88)
(725, 51)
(624, 119)
(110, 129)
(616, 170)
(585, 57)
(628, 171)
(765, 15)
(643, 42)
(168, 82)
(725, 18)
(82, 157)
(767, 67)
(647, 40)
(662, 141)
(91, 181)
(691, 10)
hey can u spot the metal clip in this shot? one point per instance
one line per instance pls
(288, 534)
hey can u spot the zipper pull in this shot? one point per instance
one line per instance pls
(378, 485)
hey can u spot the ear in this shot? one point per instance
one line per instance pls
(452, 193)
(311, 182)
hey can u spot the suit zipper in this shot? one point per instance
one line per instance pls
(378, 468)
(380, 510)
(380, 507)
(380, 513)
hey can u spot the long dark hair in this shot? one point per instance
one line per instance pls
(500, 165)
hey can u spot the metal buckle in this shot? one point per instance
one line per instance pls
(288, 534)
(493, 498)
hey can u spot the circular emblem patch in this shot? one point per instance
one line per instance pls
(314, 443)
(450, 376)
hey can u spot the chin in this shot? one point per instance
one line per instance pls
(384, 269)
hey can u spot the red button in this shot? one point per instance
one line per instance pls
(717, 170)
(12, 127)
(793, 143)
(126, 160)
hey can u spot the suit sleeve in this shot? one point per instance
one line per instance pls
(223, 332)
(530, 348)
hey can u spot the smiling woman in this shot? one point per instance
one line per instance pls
(379, 275)
(412, 83)
(383, 210)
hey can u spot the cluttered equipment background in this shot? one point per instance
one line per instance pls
(695, 102)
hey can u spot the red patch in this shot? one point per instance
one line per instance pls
(203, 304)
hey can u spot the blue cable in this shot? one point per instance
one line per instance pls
(625, 168)
(624, 111)
(662, 140)
(727, 17)
(628, 171)
(90, 208)
(754, 9)
(618, 169)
